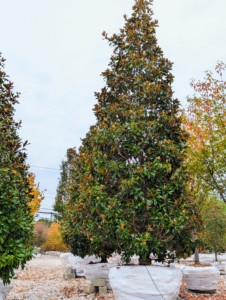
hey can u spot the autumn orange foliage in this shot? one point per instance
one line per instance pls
(35, 192)
(54, 240)
(205, 121)
(40, 233)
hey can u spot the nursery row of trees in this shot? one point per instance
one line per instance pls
(141, 179)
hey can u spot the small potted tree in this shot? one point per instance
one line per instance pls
(201, 276)
(128, 188)
(214, 216)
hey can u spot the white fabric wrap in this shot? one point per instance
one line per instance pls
(99, 271)
(69, 261)
(205, 258)
(64, 260)
(116, 258)
(158, 264)
(209, 258)
(145, 282)
(77, 263)
(221, 257)
(220, 266)
(134, 260)
(201, 278)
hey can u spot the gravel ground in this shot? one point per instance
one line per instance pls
(42, 279)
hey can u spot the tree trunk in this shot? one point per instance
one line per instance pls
(197, 255)
(196, 249)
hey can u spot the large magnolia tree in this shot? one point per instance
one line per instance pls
(128, 192)
(16, 220)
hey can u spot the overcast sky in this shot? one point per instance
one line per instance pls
(55, 54)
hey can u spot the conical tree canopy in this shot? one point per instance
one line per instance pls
(128, 192)
(16, 220)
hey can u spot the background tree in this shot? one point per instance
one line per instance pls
(129, 183)
(54, 240)
(76, 241)
(16, 220)
(37, 196)
(63, 187)
(214, 217)
(45, 221)
(41, 232)
(205, 119)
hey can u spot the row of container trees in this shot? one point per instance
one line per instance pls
(128, 184)
(137, 182)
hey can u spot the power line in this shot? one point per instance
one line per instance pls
(46, 212)
(45, 168)
(51, 193)
(45, 171)
(50, 213)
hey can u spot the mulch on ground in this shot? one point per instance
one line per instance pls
(42, 279)
(219, 295)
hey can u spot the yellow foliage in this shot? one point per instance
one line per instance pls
(37, 195)
(204, 120)
(54, 240)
